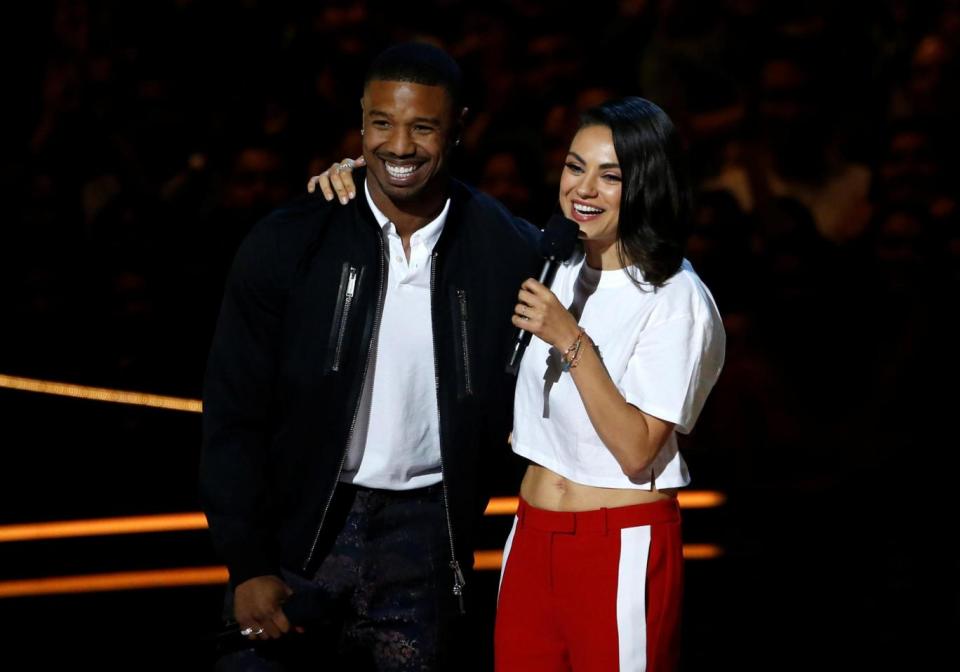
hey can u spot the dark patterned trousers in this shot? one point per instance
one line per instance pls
(384, 580)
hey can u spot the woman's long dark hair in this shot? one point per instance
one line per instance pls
(655, 198)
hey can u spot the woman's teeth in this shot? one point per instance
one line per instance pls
(586, 209)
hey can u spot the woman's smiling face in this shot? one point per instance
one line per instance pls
(590, 186)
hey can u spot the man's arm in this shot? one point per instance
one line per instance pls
(239, 417)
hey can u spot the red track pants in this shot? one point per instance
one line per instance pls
(595, 590)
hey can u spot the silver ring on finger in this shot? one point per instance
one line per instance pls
(348, 164)
(250, 630)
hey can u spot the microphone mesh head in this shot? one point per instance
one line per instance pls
(559, 238)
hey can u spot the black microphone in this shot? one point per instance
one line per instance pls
(556, 245)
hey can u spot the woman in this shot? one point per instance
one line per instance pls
(629, 343)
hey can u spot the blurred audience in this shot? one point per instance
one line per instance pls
(153, 138)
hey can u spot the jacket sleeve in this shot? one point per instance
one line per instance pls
(239, 411)
(519, 252)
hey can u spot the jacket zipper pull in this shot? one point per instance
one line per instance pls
(458, 583)
(351, 283)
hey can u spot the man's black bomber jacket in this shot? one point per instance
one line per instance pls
(288, 357)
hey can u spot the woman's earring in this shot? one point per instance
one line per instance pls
(361, 131)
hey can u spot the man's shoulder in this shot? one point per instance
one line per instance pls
(282, 238)
(304, 213)
(483, 210)
(477, 204)
(299, 223)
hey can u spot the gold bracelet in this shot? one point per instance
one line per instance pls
(576, 355)
(571, 356)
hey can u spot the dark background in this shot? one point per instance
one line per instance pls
(143, 139)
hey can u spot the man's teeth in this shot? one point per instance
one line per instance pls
(586, 209)
(400, 171)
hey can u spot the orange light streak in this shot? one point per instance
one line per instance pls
(64, 529)
(484, 560)
(502, 506)
(94, 583)
(177, 522)
(701, 551)
(701, 499)
(100, 394)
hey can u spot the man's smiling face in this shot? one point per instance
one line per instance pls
(409, 132)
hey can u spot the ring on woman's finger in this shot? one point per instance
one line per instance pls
(250, 630)
(347, 164)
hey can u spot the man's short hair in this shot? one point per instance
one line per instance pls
(419, 63)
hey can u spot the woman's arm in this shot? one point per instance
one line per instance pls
(633, 437)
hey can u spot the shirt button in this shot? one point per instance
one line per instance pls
(398, 258)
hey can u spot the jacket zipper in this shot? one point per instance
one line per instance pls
(347, 301)
(356, 412)
(467, 384)
(458, 579)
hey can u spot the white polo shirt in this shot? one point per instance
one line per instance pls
(396, 441)
(663, 349)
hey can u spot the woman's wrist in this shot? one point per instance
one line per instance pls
(563, 342)
(570, 357)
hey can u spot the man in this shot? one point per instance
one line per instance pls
(355, 392)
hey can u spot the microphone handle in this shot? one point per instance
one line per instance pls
(549, 272)
(520, 343)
